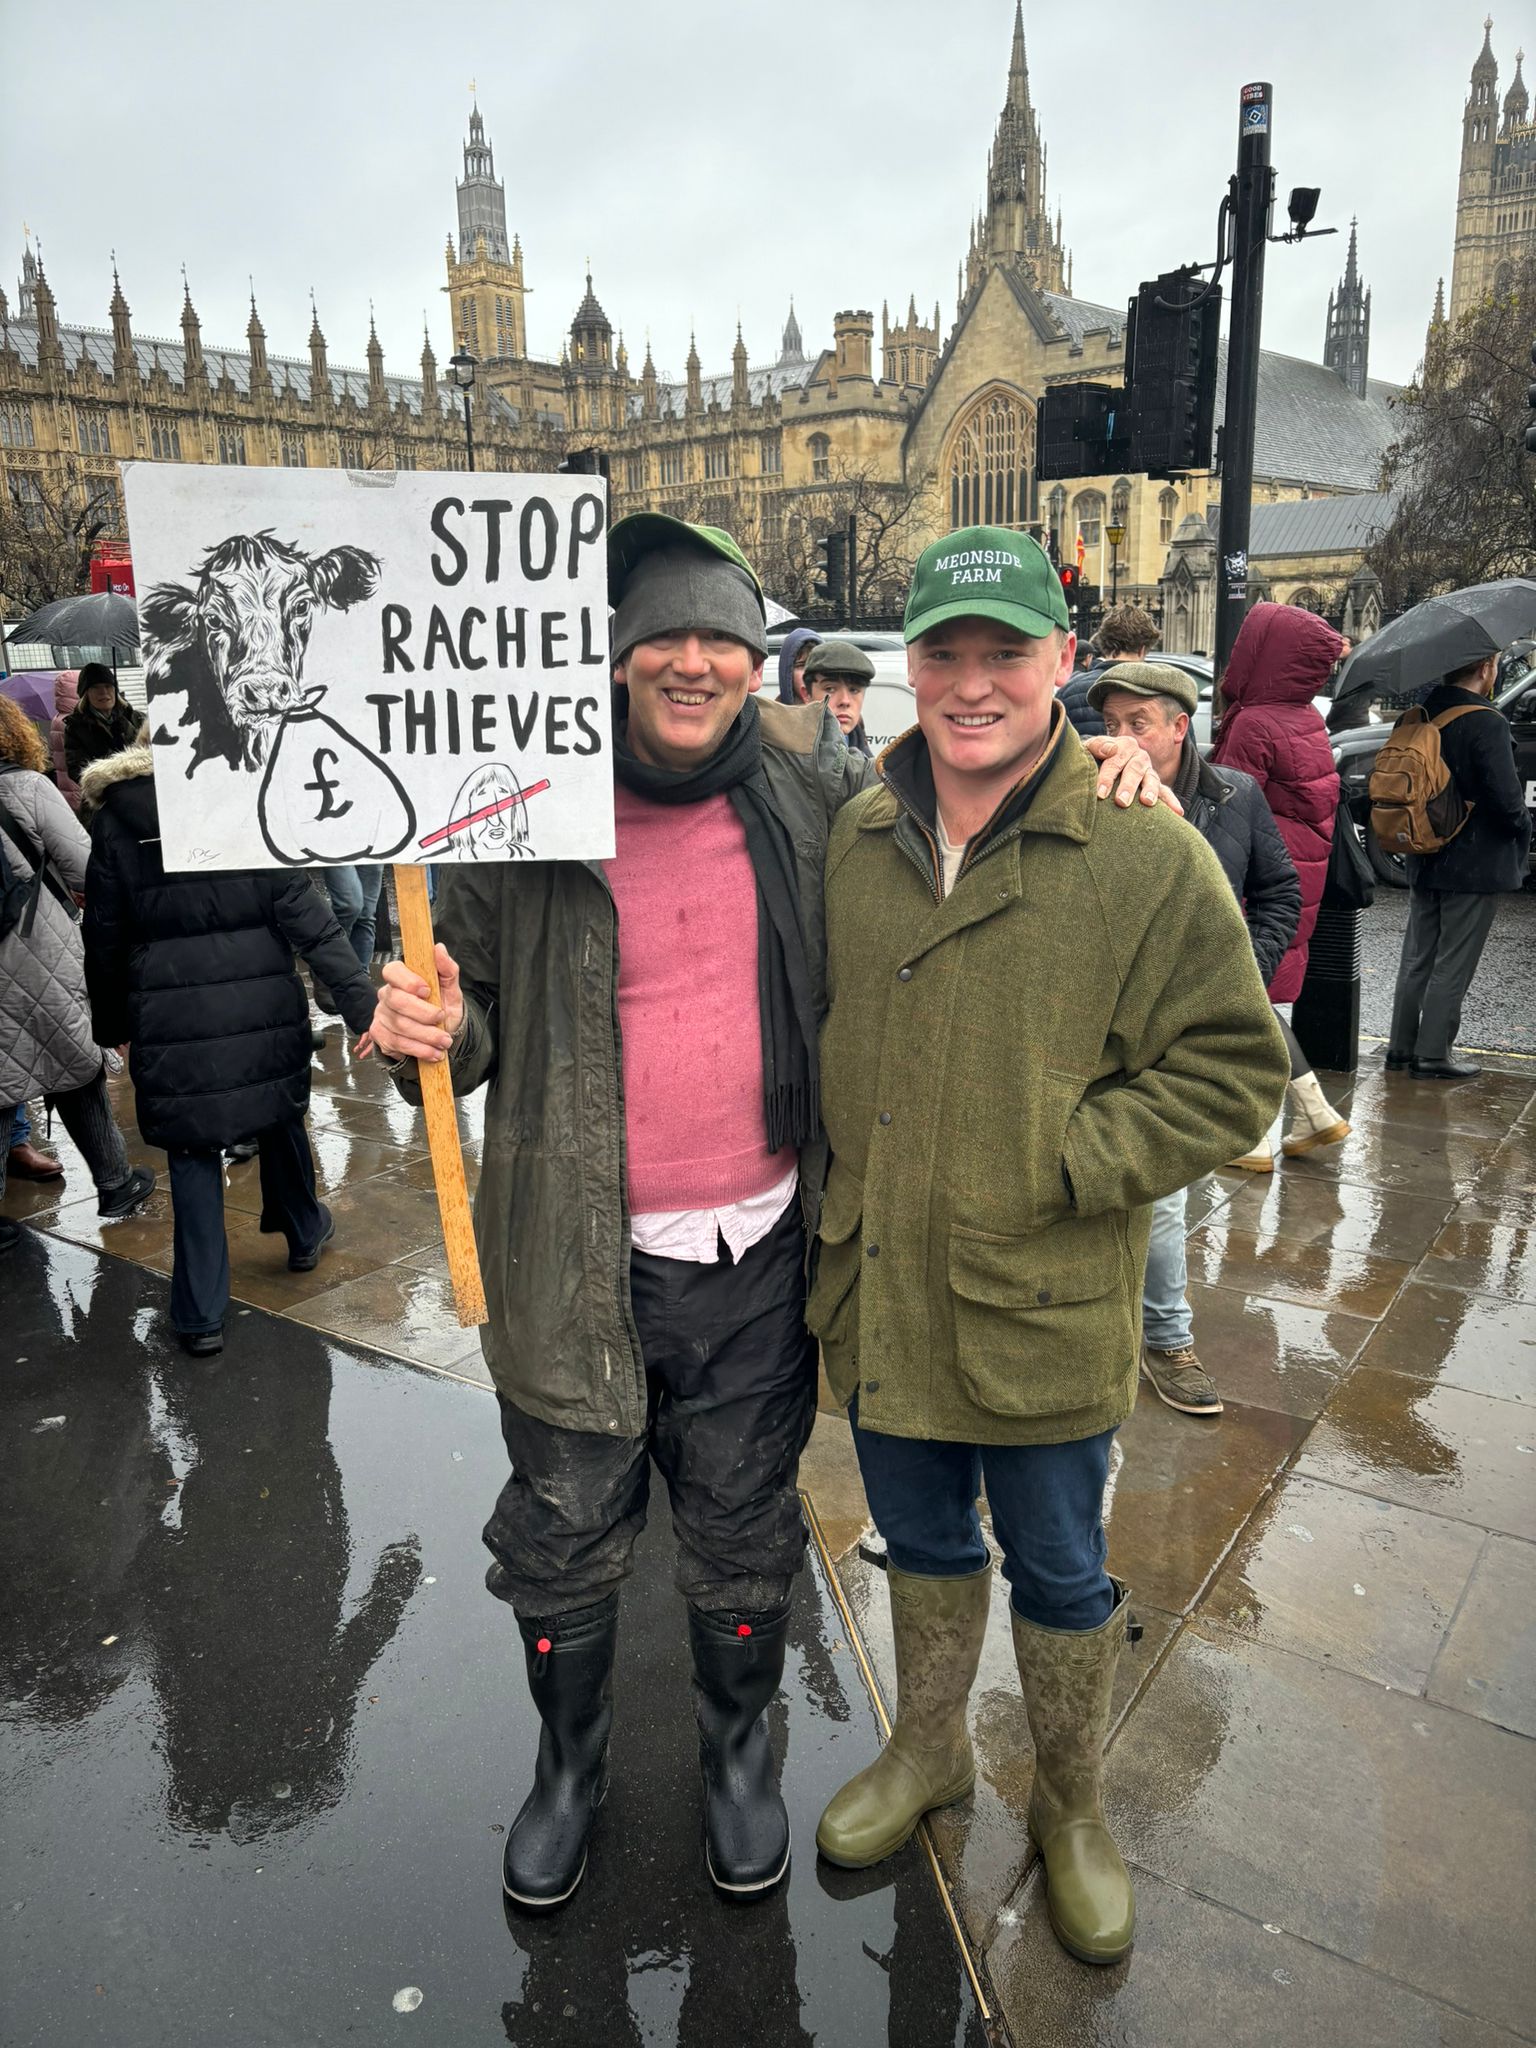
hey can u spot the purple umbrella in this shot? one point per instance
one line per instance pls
(32, 689)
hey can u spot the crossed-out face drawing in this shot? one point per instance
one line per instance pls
(492, 801)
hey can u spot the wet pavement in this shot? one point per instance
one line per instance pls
(268, 1804)
(1500, 1011)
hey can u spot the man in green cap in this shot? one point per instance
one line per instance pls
(1042, 1017)
(653, 1162)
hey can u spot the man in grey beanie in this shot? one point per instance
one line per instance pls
(653, 1164)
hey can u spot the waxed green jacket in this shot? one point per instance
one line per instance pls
(1010, 1076)
(537, 949)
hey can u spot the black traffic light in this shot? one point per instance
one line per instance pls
(1081, 431)
(831, 587)
(1071, 583)
(1172, 327)
(1530, 399)
(585, 462)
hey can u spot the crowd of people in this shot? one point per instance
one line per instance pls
(900, 1068)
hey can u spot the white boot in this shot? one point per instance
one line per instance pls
(1316, 1120)
(1262, 1158)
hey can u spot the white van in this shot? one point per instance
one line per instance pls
(889, 706)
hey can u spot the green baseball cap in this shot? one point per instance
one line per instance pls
(986, 572)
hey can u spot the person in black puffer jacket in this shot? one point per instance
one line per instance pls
(102, 723)
(1127, 634)
(195, 973)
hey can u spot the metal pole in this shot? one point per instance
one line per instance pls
(1252, 193)
(469, 439)
(853, 571)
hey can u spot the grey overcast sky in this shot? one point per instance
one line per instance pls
(709, 156)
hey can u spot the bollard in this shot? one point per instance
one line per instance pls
(1326, 1015)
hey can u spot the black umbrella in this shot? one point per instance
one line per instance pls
(101, 620)
(1440, 636)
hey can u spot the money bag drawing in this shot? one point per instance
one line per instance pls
(325, 798)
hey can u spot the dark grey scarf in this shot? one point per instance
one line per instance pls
(791, 1084)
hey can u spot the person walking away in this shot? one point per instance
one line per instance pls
(45, 1037)
(26, 1161)
(1044, 1013)
(1454, 894)
(195, 972)
(665, 1005)
(1270, 729)
(66, 695)
(1128, 633)
(1154, 704)
(102, 723)
(836, 673)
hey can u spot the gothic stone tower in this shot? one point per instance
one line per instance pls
(485, 279)
(1017, 221)
(1496, 195)
(1347, 343)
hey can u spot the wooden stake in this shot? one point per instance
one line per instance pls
(418, 949)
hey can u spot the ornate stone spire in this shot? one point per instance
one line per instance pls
(376, 391)
(191, 332)
(1347, 342)
(125, 367)
(739, 387)
(792, 348)
(694, 376)
(256, 336)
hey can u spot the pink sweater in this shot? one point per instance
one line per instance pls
(688, 1008)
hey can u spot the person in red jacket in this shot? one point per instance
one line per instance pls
(1271, 730)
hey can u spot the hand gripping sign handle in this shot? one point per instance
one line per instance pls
(418, 948)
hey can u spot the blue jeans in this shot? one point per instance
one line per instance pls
(1166, 1323)
(1047, 1503)
(354, 894)
(21, 1128)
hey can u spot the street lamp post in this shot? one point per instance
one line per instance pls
(462, 368)
(1116, 534)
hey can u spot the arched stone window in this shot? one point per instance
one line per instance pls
(1120, 504)
(1088, 512)
(821, 457)
(991, 458)
(1167, 515)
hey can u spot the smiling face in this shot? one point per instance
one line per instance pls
(685, 690)
(984, 694)
(101, 697)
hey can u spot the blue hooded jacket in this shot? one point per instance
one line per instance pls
(794, 640)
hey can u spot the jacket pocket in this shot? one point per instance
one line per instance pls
(1042, 1323)
(833, 1297)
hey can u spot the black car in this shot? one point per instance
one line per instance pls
(1355, 752)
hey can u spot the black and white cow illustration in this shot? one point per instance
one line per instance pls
(235, 642)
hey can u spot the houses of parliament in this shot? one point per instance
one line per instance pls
(920, 426)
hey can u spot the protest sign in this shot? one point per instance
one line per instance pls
(349, 666)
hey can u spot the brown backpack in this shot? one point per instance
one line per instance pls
(1415, 806)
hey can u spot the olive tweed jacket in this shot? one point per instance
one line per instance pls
(1010, 1077)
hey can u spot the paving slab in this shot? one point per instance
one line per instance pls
(1428, 1446)
(1203, 1976)
(1317, 1272)
(403, 1311)
(1377, 1826)
(1182, 1491)
(1488, 1664)
(1485, 1256)
(1465, 1340)
(1264, 1353)
(1383, 1221)
(264, 1730)
(1337, 1575)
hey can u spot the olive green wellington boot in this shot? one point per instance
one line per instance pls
(1067, 1676)
(939, 1625)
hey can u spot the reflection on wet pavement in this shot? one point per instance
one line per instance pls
(264, 1728)
(1322, 1774)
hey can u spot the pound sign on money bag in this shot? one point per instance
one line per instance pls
(325, 799)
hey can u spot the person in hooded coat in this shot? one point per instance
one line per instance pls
(66, 695)
(794, 652)
(1270, 729)
(195, 973)
(45, 1037)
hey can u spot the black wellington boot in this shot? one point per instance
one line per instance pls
(570, 1676)
(738, 1660)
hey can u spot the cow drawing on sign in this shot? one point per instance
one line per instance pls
(235, 641)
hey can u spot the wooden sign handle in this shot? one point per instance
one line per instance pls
(418, 949)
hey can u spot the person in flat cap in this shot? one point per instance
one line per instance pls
(836, 673)
(1044, 1014)
(654, 1161)
(1153, 703)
